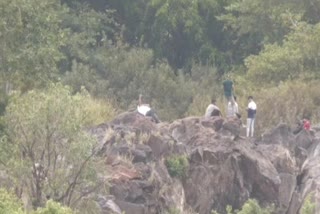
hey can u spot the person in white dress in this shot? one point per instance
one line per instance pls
(252, 110)
(233, 109)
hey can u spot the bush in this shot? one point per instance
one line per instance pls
(177, 166)
(287, 103)
(47, 147)
(122, 74)
(309, 207)
(173, 211)
(250, 207)
(9, 203)
(97, 110)
(53, 208)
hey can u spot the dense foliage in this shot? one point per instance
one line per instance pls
(68, 64)
(9, 203)
(45, 142)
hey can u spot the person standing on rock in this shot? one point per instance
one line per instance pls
(146, 110)
(212, 110)
(233, 109)
(252, 110)
(228, 88)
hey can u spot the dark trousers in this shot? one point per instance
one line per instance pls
(153, 115)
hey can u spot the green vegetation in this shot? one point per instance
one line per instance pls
(250, 207)
(9, 203)
(174, 52)
(45, 145)
(53, 208)
(177, 166)
(309, 206)
(173, 211)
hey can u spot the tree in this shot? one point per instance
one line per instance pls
(179, 31)
(296, 57)
(30, 41)
(256, 23)
(90, 30)
(48, 153)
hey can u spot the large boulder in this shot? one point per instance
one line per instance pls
(229, 173)
(296, 157)
(308, 181)
(280, 135)
(135, 121)
(287, 168)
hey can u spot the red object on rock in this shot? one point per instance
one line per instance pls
(306, 125)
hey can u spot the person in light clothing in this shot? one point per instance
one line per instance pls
(233, 109)
(252, 110)
(212, 110)
(146, 110)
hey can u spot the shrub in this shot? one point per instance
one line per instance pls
(97, 110)
(173, 211)
(287, 103)
(250, 207)
(53, 208)
(47, 147)
(122, 74)
(9, 203)
(308, 206)
(177, 166)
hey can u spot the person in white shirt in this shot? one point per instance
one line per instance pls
(232, 108)
(146, 110)
(212, 110)
(252, 110)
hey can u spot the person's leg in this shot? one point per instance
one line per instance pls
(228, 98)
(248, 126)
(252, 127)
(215, 113)
(153, 115)
(232, 99)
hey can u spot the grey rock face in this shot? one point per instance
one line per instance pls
(280, 168)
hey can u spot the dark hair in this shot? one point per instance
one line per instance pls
(250, 97)
(213, 100)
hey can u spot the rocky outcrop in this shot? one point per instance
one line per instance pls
(298, 165)
(224, 169)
